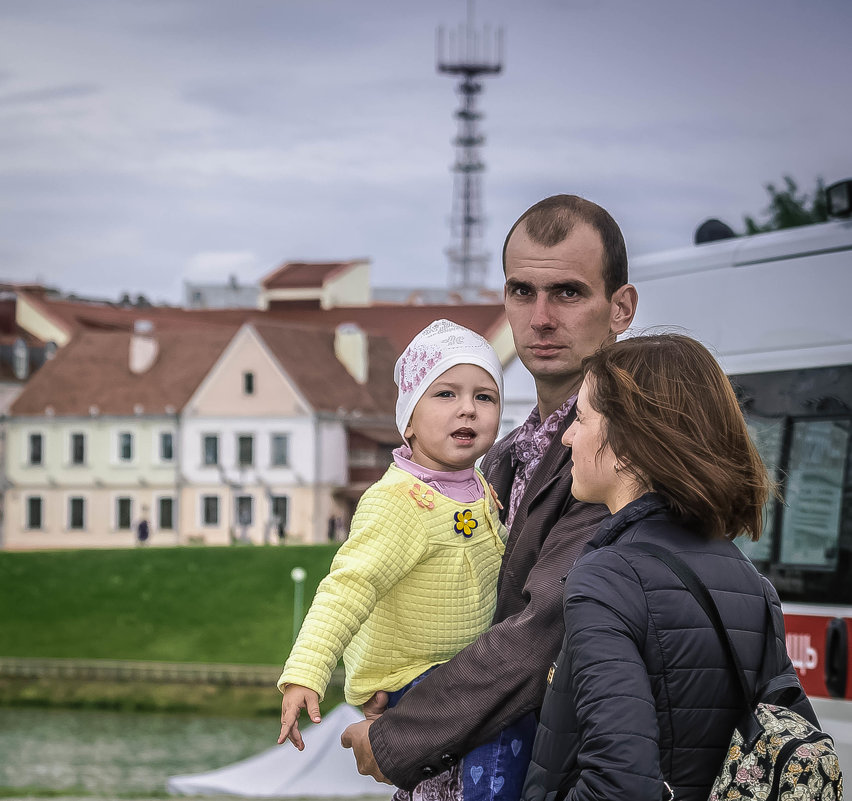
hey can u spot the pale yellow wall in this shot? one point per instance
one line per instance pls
(99, 518)
(350, 288)
(28, 317)
(102, 465)
(293, 293)
(504, 344)
(221, 394)
(300, 525)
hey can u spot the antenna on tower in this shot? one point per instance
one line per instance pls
(468, 54)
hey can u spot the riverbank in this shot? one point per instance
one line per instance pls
(204, 699)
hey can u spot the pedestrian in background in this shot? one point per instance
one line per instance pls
(142, 529)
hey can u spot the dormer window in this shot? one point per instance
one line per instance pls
(248, 383)
(20, 359)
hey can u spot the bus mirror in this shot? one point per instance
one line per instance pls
(838, 198)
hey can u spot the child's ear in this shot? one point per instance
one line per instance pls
(409, 432)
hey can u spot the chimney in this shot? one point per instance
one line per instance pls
(143, 347)
(350, 347)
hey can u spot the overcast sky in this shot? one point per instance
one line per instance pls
(147, 142)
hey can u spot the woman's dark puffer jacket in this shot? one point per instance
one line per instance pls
(612, 729)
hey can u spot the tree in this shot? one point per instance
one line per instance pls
(788, 208)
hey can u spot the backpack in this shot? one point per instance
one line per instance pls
(775, 753)
(790, 758)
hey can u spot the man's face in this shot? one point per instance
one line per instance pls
(556, 303)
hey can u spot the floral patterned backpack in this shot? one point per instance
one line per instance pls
(775, 754)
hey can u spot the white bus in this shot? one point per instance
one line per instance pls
(776, 309)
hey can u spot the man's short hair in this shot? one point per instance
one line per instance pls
(550, 221)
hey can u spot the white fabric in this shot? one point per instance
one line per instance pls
(324, 768)
(438, 347)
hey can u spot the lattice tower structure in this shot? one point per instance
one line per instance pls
(469, 55)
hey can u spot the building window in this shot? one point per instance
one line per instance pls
(34, 512)
(280, 448)
(35, 453)
(167, 446)
(210, 510)
(78, 449)
(210, 446)
(279, 511)
(125, 446)
(76, 514)
(20, 359)
(166, 516)
(248, 383)
(245, 510)
(245, 450)
(123, 513)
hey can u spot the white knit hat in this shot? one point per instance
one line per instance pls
(437, 348)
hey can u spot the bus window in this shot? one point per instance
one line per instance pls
(801, 423)
(813, 493)
(768, 436)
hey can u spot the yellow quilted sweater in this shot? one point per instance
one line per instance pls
(407, 590)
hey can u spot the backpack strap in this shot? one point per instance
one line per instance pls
(702, 595)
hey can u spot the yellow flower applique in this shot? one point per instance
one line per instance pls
(465, 523)
(423, 496)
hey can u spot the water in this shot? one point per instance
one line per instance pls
(108, 753)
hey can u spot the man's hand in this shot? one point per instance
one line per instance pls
(357, 737)
(296, 698)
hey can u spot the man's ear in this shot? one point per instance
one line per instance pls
(622, 308)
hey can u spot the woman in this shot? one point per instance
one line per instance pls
(642, 692)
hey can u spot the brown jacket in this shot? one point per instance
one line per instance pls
(501, 675)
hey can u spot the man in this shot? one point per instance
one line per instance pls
(566, 294)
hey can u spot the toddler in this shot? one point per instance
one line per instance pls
(416, 580)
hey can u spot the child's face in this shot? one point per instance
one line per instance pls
(456, 420)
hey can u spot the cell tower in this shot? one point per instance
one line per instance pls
(468, 54)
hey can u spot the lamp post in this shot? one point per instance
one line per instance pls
(298, 575)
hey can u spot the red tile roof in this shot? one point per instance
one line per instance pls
(73, 315)
(307, 355)
(93, 370)
(296, 274)
(399, 323)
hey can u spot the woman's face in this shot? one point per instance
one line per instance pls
(596, 479)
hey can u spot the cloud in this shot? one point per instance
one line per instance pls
(49, 95)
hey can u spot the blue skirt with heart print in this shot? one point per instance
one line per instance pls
(493, 771)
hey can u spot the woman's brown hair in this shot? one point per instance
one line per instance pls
(672, 418)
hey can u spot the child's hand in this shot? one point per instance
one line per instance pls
(296, 698)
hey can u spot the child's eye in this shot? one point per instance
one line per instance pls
(482, 396)
(444, 393)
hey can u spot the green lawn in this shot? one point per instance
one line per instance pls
(165, 604)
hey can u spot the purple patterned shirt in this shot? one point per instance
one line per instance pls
(529, 446)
